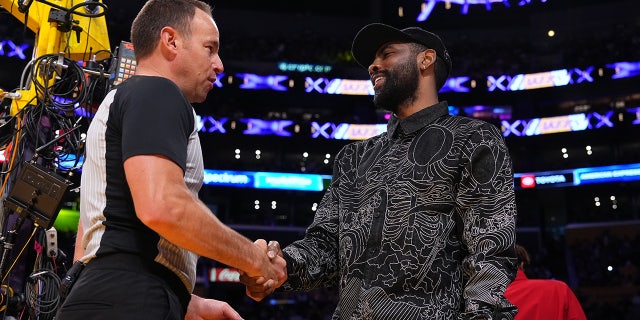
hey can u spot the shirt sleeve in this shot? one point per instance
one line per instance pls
(157, 120)
(485, 203)
(312, 262)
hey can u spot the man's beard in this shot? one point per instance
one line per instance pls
(400, 85)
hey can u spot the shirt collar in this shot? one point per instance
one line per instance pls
(417, 120)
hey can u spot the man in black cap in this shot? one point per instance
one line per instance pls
(418, 222)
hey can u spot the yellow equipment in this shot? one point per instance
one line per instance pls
(73, 29)
(66, 32)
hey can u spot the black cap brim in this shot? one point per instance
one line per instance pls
(371, 37)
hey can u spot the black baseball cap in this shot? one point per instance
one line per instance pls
(369, 39)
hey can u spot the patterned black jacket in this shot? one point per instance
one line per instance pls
(418, 223)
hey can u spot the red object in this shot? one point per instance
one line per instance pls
(224, 275)
(543, 299)
(528, 181)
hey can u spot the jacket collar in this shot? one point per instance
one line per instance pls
(416, 121)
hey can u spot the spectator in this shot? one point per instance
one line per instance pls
(541, 299)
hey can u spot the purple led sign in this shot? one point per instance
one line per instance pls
(429, 5)
(568, 123)
(258, 82)
(10, 49)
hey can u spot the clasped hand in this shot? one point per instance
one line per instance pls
(259, 287)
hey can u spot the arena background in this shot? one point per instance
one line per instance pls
(292, 96)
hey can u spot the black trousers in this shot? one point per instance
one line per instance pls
(123, 286)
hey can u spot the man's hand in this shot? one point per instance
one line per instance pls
(259, 287)
(210, 309)
(273, 250)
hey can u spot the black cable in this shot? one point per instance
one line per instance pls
(42, 286)
(61, 88)
(41, 292)
(106, 51)
(72, 10)
(69, 83)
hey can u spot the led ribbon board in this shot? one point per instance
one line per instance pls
(456, 84)
(548, 79)
(338, 86)
(428, 5)
(636, 112)
(253, 81)
(617, 173)
(303, 67)
(568, 123)
(559, 178)
(518, 82)
(365, 87)
(317, 182)
(346, 131)
(267, 127)
(265, 180)
(10, 49)
(625, 69)
(580, 176)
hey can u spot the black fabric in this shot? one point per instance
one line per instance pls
(156, 118)
(149, 115)
(125, 286)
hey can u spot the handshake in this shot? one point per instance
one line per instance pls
(274, 272)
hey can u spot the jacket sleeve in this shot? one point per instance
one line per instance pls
(312, 262)
(485, 202)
